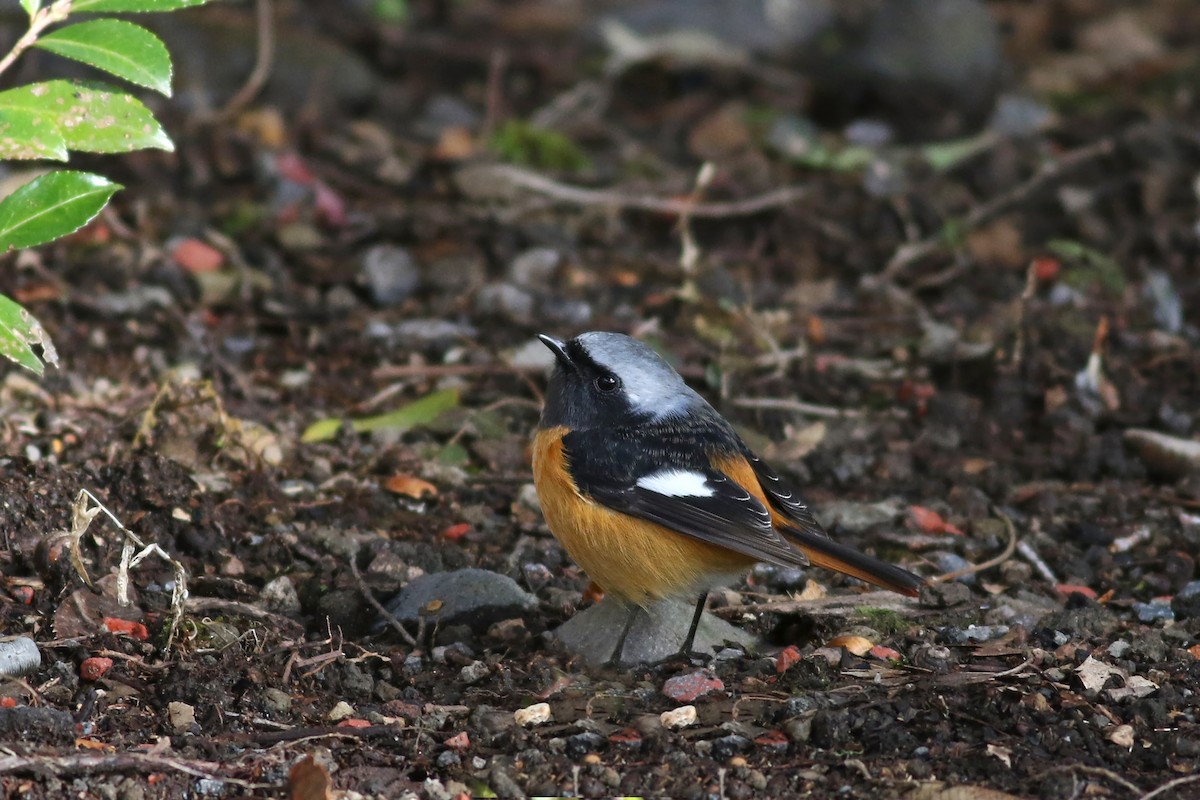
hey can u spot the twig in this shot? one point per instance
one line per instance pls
(1005, 555)
(532, 181)
(369, 596)
(1099, 772)
(264, 59)
(398, 371)
(1026, 549)
(88, 763)
(798, 406)
(907, 254)
(44, 18)
(1031, 281)
(1169, 786)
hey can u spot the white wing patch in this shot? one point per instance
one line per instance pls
(677, 483)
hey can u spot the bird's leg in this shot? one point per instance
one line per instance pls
(615, 659)
(690, 639)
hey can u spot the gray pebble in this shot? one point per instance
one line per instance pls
(390, 273)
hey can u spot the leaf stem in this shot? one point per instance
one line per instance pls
(44, 18)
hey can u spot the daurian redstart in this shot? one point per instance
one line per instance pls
(653, 493)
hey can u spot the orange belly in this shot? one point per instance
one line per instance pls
(636, 560)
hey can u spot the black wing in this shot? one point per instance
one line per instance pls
(784, 498)
(662, 476)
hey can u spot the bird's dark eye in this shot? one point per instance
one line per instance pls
(607, 383)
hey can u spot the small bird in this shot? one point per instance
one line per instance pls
(652, 492)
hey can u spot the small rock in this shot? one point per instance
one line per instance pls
(686, 688)
(1186, 603)
(390, 273)
(276, 701)
(678, 718)
(1119, 648)
(975, 633)
(536, 714)
(506, 299)
(1154, 611)
(341, 711)
(280, 597)
(448, 758)
(944, 595)
(181, 716)
(474, 597)
(858, 517)
(953, 562)
(474, 672)
(534, 268)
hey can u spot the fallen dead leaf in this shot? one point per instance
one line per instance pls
(929, 521)
(308, 780)
(410, 486)
(858, 645)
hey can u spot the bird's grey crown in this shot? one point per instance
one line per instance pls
(651, 385)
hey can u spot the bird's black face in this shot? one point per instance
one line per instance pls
(583, 394)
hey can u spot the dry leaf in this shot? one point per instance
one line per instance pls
(858, 645)
(308, 780)
(410, 486)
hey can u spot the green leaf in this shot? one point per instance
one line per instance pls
(51, 206)
(418, 412)
(31, 6)
(90, 116)
(19, 331)
(26, 134)
(132, 6)
(126, 50)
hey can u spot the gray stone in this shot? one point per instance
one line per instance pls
(1186, 603)
(656, 634)
(535, 267)
(855, 517)
(280, 597)
(390, 273)
(474, 597)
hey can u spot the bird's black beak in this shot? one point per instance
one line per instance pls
(559, 349)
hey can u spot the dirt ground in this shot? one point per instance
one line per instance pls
(977, 359)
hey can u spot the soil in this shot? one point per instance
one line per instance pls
(950, 369)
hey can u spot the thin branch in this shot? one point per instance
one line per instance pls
(89, 763)
(798, 406)
(1005, 555)
(1170, 786)
(44, 18)
(264, 59)
(566, 193)
(369, 596)
(1049, 171)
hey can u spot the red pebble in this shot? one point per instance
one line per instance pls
(354, 722)
(686, 688)
(22, 594)
(885, 653)
(1071, 588)
(8, 702)
(788, 657)
(134, 630)
(456, 532)
(459, 741)
(773, 740)
(626, 736)
(93, 669)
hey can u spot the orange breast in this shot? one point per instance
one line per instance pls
(636, 560)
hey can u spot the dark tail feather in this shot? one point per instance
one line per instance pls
(827, 553)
